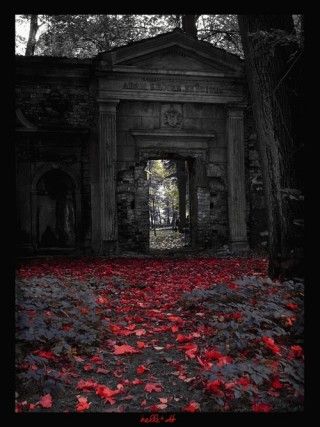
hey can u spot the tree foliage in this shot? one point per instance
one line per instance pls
(84, 36)
(163, 192)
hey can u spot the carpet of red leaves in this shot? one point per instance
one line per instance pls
(152, 350)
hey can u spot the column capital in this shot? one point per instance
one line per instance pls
(108, 105)
(235, 109)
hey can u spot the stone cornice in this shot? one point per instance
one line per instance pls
(136, 70)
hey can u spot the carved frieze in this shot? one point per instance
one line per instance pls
(171, 115)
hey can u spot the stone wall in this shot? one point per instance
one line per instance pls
(212, 227)
(58, 98)
(54, 97)
(54, 93)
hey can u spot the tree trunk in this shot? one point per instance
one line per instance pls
(274, 87)
(159, 216)
(32, 41)
(168, 212)
(153, 217)
(189, 25)
(182, 188)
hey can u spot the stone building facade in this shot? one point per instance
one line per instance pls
(85, 130)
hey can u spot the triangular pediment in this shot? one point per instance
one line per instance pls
(174, 58)
(175, 51)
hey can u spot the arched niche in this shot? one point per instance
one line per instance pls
(55, 209)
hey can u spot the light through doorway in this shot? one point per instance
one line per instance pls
(169, 204)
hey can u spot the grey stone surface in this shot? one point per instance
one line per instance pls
(100, 121)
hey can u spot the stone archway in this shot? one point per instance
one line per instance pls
(142, 195)
(192, 147)
(55, 210)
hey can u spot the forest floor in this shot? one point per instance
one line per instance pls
(157, 336)
(168, 239)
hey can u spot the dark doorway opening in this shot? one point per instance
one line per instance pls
(55, 214)
(169, 204)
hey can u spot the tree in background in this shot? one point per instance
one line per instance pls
(84, 36)
(163, 193)
(274, 58)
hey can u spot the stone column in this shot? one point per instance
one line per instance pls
(107, 175)
(236, 179)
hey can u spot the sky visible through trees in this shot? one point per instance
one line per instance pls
(87, 35)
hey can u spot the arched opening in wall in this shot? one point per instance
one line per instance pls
(169, 203)
(55, 210)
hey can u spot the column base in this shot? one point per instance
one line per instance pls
(110, 247)
(241, 246)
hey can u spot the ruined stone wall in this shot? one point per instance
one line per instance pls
(53, 95)
(54, 92)
(211, 190)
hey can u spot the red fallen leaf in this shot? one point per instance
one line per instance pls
(86, 385)
(106, 393)
(136, 381)
(96, 359)
(183, 338)
(212, 354)
(102, 300)
(102, 371)
(290, 320)
(174, 329)
(206, 365)
(141, 344)
(296, 350)
(84, 310)
(141, 369)
(46, 401)
(292, 306)
(163, 399)
(269, 342)
(158, 406)
(32, 406)
(153, 387)
(48, 313)
(191, 407)
(215, 387)
(88, 367)
(109, 400)
(244, 381)
(140, 332)
(190, 350)
(175, 319)
(196, 335)
(82, 404)
(45, 354)
(67, 327)
(143, 403)
(78, 358)
(261, 407)
(230, 385)
(276, 383)
(124, 349)
(117, 330)
(131, 327)
(236, 316)
(233, 286)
